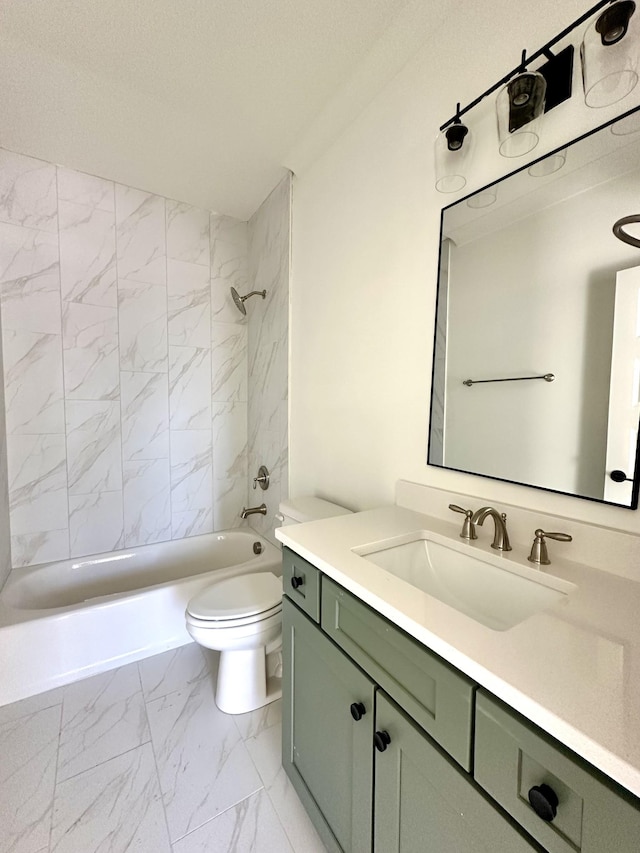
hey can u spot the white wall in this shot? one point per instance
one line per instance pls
(365, 241)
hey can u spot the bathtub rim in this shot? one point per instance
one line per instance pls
(12, 615)
(47, 649)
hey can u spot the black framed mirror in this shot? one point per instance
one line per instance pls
(536, 369)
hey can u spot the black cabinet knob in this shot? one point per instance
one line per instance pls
(381, 740)
(358, 711)
(544, 801)
(296, 582)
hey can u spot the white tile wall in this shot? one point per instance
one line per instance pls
(124, 365)
(5, 529)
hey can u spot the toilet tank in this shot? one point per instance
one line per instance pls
(299, 510)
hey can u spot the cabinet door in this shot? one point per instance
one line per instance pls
(425, 804)
(327, 754)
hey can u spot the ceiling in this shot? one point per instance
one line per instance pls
(198, 100)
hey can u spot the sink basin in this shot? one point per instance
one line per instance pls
(490, 589)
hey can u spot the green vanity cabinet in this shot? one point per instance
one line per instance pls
(513, 757)
(433, 693)
(393, 750)
(301, 582)
(327, 730)
(424, 804)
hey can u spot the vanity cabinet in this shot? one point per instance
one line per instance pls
(512, 758)
(393, 750)
(424, 804)
(433, 693)
(346, 742)
(327, 730)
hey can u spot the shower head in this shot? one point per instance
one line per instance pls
(239, 300)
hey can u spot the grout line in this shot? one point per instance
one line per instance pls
(64, 380)
(117, 284)
(223, 812)
(155, 758)
(55, 778)
(166, 278)
(105, 761)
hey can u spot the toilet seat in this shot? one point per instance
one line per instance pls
(241, 621)
(237, 601)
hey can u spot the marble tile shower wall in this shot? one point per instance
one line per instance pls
(5, 530)
(125, 364)
(269, 242)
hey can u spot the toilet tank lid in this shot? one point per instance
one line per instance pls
(311, 509)
(244, 595)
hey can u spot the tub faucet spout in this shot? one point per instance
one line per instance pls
(253, 510)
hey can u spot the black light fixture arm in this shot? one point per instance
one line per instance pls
(545, 50)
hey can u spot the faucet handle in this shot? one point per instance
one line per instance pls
(468, 527)
(262, 478)
(539, 553)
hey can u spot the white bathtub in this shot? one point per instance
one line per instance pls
(64, 621)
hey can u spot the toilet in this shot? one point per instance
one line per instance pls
(241, 617)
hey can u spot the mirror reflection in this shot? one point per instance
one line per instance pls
(536, 375)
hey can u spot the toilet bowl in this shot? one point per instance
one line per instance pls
(241, 618)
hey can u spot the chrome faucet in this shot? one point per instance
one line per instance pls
(253, 510)
(501, 538)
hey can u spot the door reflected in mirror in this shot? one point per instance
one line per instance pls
(533, 286)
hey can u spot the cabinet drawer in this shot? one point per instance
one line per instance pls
(438, 697)
(512, 756)
(301, 582)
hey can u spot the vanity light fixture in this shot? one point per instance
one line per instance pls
(609, 54)
(519, 107)
(452, 156)
(609, 51)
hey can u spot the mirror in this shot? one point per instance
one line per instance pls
(536, 372)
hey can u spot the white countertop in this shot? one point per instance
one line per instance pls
(574, 670)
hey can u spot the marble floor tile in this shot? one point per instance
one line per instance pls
(203, 764)
(251, 826)
(25, 707)
(28, 749)
(113, 808)
(266, 751)
(252, 724)
(102, 717)
(173, 670)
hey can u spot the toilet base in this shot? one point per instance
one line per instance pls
(242, 684)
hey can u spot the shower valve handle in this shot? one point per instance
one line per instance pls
(262, 478)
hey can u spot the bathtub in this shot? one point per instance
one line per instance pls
(64, 621)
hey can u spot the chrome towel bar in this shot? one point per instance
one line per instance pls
(548, 377)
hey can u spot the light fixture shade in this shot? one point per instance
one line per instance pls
(519, 107)
(627, 125)
(483, 198)
(548, 165)
(452, 150)
(609, 53)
